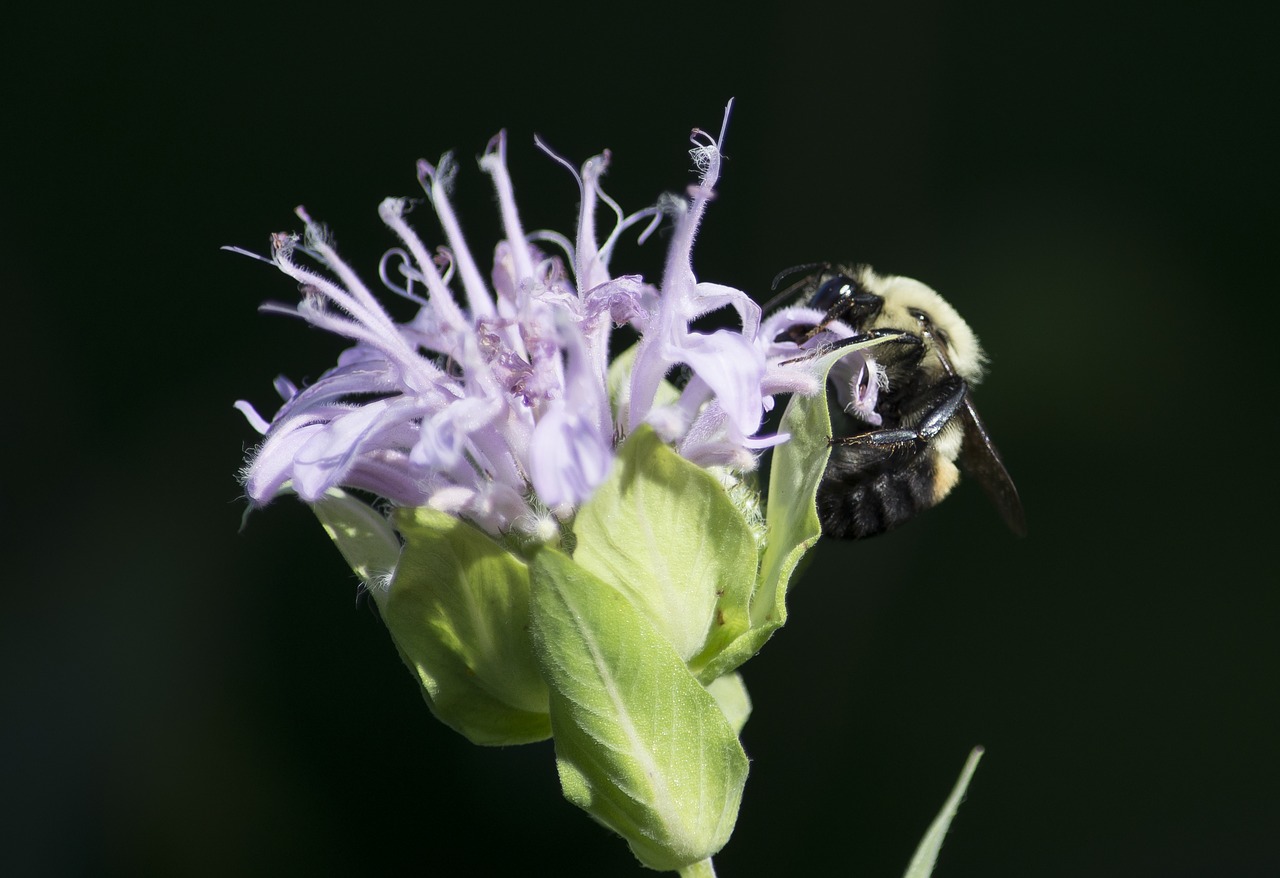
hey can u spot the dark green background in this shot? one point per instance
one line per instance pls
(1091, 185)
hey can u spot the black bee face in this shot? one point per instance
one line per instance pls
(906, 455)
(841, 297)
(847, 300)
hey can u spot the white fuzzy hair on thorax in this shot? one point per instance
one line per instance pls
(901, 295)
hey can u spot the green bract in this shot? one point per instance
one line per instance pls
(663, 531)
(457, 608)
(640, 744)
(625, 651)
(792, 525)
(362, 535)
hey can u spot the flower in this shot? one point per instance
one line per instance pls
(494, 405)
(494, 421)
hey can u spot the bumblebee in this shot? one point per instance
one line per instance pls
(902, 450)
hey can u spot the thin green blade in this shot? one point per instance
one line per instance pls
(927, 853)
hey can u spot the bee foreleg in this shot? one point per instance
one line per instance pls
(888, 440)
(939, 408)
(943, 405)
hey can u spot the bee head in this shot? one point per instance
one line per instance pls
(910, 306)
(845, 295)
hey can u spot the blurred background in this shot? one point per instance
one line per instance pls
(1090, 184)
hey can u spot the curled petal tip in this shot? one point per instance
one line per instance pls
(497, 146)
(426, 173)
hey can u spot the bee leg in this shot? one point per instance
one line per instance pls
(943, 405)
(895, 337)
(898, 347)
(898, 340)
(939, 408)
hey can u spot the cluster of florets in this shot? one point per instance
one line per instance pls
(501, 405)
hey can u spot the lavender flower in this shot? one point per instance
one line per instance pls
(494, 405)
(495, 412)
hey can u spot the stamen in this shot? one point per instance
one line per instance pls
(406, 270)
(541, 144)
(439, 298)
(554, 238)
(624, 223)
(243, 252)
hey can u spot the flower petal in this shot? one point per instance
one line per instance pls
(567, 458)
(733, 368)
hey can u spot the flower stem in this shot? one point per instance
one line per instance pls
(702, 869)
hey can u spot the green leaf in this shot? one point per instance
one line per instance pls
(458, 610)
(363, 536)
(927, 853)
(792, 525)
(731, 694)
(664, 532)
(640, 744)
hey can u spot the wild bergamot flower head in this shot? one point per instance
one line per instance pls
(494, 402)
(562, 541)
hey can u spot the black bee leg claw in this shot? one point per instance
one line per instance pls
(940, 408)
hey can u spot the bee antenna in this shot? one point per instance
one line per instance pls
(807, 268)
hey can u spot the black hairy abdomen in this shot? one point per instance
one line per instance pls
(856, 501)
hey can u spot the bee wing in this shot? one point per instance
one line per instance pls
(979, 458)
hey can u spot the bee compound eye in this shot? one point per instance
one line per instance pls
(831, 292)
(921, 317)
